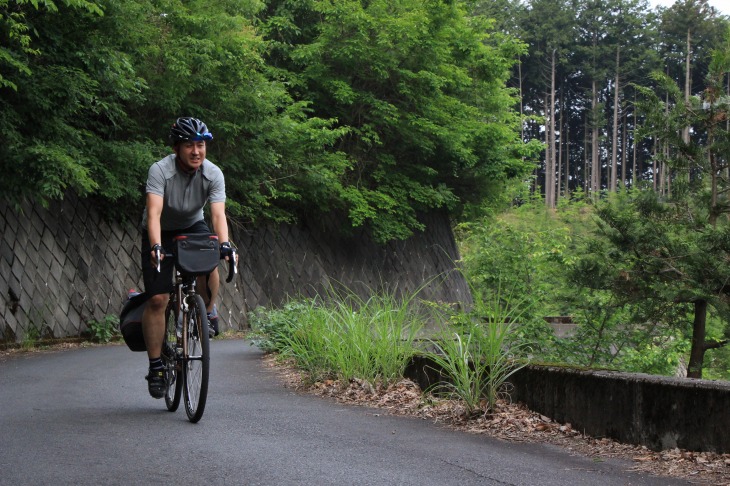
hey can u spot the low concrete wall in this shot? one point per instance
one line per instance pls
(657, 412)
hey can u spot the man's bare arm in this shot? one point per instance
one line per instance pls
(154, 211)
(219, 221)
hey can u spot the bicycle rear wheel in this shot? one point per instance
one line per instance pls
(197, 359)
(173, 380)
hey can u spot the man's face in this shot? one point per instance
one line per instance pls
(190, 155)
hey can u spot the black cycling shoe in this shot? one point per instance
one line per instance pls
(156, 383)
(213, 322)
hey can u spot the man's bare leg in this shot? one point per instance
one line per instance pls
(153, 329)
(209, 288)
(153, 324)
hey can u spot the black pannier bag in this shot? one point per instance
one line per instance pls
(130, 321)
(197, 254)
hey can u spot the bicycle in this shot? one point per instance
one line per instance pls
(186, 345)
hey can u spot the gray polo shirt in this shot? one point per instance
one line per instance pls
(184, 195)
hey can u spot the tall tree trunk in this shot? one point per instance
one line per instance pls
(551, 202)
(522, 113)
(687, 85)
(697, 353)
(714, 175)
(655, 175)
(567, 161)
(634, 177)
(662, 173)
(726, 170)
(614, 135)
(687, 90)
(560, 148)
(548, 149)
(586, 168)
(667, 171)
(595, 164)
(715, 209)
(624, 158)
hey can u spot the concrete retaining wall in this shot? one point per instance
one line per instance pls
(654, 411)
(64, 266)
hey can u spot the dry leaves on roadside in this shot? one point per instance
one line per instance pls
(513, 422)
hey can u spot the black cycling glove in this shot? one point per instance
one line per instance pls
(226, 250)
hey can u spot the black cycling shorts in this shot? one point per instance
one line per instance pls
(162, 283)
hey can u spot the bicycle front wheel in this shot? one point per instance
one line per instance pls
(170, 358)
(197, 359)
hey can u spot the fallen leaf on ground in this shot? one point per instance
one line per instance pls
(513, 422)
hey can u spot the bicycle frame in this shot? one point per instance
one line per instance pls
(183, 291)
(186, 348)
(187, 344)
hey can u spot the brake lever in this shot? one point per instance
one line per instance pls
(232, 265)
(158, 258)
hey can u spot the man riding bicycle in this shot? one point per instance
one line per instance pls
(178, 188)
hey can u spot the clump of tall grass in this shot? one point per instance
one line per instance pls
(478, 352)
(343, 335)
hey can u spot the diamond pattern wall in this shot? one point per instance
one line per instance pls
(64, 266)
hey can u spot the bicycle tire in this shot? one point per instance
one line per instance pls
(197, 360)
(173, 380)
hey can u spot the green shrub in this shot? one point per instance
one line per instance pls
(105, 330)
(31, 338)
(271, 327)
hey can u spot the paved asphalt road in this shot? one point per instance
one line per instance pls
(84, 417)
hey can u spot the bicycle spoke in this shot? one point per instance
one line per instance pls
(196, 360)
(193, 370)
(173, 390)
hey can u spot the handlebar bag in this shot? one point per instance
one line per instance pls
(197, 254)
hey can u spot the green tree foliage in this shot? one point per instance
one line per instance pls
(418, 89)
(206, 59)
(663, 263)
(522, 254)
(92, 111)
(648, 289)
(42, 153)
(696, 22)
(556, 264)
(600, 47)
(15, 34)
(374, 109)
(688, 261)
(524, 251)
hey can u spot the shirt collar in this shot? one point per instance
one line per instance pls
(190, 174)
